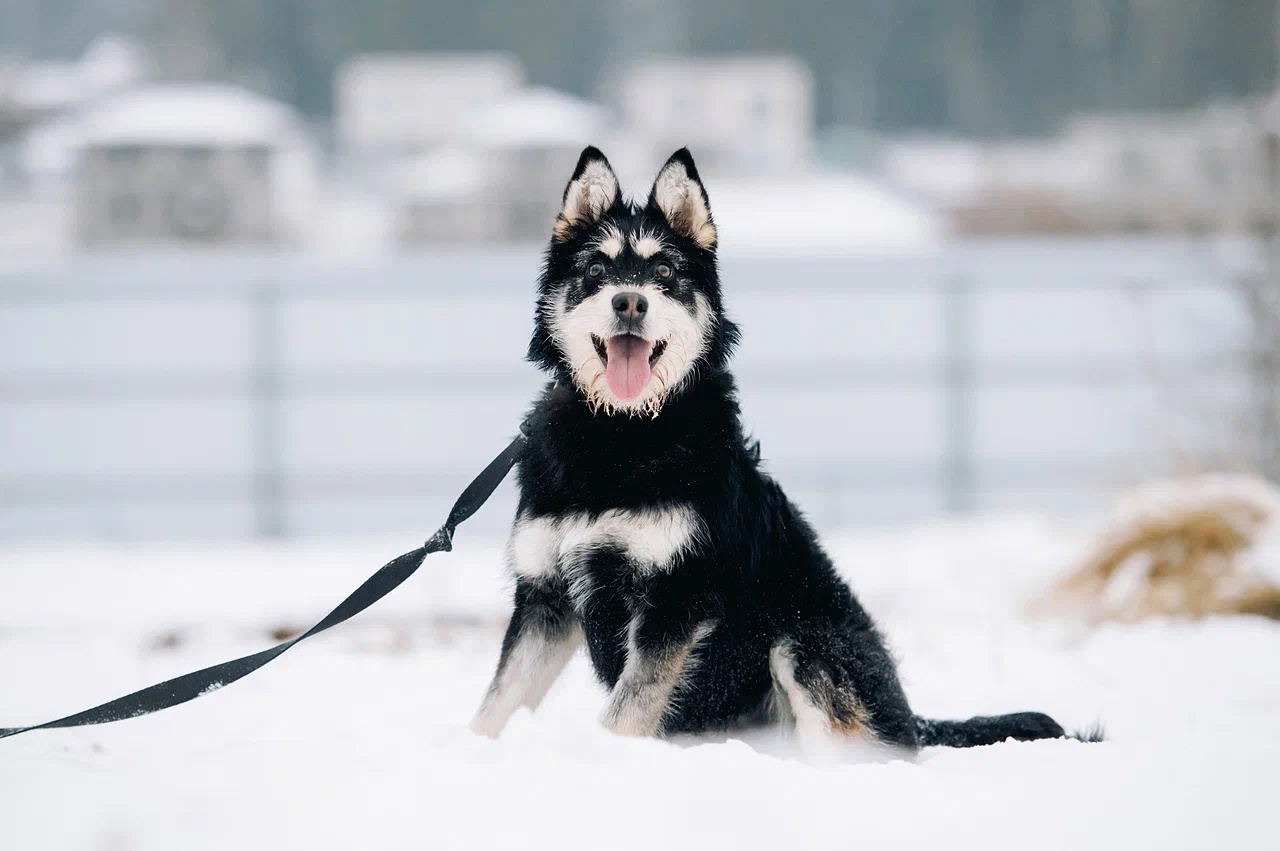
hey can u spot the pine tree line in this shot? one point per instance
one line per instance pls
(982, 67)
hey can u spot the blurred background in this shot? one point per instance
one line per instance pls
(266, 268)
(1006, 269)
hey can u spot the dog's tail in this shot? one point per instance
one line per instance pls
(990, 729)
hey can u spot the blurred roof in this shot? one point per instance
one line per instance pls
(110, 61)
(947, 170)
(820, 214)
(535, 116)
(446, 174)
(188, 114)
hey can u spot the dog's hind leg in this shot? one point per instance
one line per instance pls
(841, 688)
(540, 640)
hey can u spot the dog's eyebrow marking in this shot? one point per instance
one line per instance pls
(611, 242)
(645, 244)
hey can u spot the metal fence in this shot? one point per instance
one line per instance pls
(219, 396)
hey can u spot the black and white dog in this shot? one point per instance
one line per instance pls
(646, 528)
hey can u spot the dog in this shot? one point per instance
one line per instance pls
(647, 530)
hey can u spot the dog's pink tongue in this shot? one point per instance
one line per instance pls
(628, 367)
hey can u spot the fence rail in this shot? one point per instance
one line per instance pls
(306, 393)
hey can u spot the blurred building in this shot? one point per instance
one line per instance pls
(432, 149)
(821, 215)
(215, 165)
(467, 153)
(503, 179)
(34, 91)
(1193, 171)
(740, 114)
(402, 104)
(37, 93)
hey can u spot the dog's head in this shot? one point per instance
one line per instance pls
(629, 303)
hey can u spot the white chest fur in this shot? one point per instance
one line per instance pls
(650, 538)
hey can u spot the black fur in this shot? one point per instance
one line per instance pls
(757, 572)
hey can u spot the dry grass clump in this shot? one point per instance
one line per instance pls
(1175, 549)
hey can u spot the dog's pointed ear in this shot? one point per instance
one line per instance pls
(679, 195)
(592, 190)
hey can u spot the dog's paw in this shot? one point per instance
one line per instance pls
(486, 725)
(624, 721)
(624, 727)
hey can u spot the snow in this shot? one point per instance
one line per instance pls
(198, 114)
(535, 116)
(49, 151)
(110, 62)
(50, 85)
(821, 216)
(358, 738)
(451, 172)
(949, 172)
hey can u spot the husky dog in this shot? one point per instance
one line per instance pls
(646, 529)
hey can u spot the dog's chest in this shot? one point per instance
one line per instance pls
(588, 549)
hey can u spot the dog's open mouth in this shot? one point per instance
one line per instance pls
(628, 362)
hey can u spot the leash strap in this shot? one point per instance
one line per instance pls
(199, 683)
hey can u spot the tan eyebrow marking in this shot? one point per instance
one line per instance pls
(645, 244)
(611, 242)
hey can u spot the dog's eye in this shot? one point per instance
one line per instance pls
(663, 271)
(595, 271)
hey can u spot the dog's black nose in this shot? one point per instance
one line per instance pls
(630, 305)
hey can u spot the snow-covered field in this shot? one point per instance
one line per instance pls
(358, 738)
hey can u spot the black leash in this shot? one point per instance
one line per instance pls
(199, 683)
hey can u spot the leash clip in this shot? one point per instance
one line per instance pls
(442, 540)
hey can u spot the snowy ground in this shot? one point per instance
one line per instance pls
(358, 739)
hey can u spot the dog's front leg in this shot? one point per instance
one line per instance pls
(659, 658)
(540, 640)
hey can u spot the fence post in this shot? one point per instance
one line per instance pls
(268, 479)
(1264, 311)
(958, 395)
